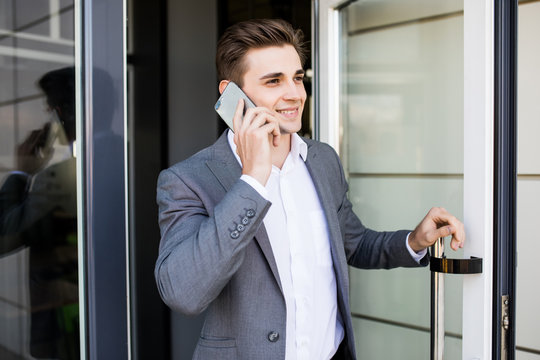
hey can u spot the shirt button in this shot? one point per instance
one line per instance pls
(250, 213)
(245, 220)
(273, 336)
(240, 227)
(235, 234)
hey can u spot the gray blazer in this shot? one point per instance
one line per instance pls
(215, 254)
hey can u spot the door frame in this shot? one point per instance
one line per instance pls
(100, 75)
(479, 127)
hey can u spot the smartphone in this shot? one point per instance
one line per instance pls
(227, 102)
(53, 131)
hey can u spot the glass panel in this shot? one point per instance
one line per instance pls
(391, 196)
(523, 355)
(528, 185)
(39, 311)
(528, 88)
(402, 145)
(380, 341)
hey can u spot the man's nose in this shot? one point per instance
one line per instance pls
(292, 91)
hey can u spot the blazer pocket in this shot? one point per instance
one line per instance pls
(215, 348)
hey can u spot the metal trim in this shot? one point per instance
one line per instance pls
(104, 280)
(437, 305)
(407, 22)
(505, 171)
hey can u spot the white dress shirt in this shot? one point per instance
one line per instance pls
(298, 233)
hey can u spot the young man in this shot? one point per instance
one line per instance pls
(258, 229)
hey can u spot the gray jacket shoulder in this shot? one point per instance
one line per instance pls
(194, 163)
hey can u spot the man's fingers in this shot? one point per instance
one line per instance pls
(447, 230)
(237, 119)
(443, 231)
(438, 223)
(258, 118)
(276, 137)
(268, 131)
(458, 239)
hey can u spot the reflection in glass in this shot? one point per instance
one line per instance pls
(39, 312)
(402, 145)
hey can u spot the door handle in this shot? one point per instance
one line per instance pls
(455, 266)
(440, 265)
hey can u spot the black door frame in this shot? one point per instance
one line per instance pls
(100, 75)
(505, 176)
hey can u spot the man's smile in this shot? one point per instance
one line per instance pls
(289, 112)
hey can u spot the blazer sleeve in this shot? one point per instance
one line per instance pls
(202, 246)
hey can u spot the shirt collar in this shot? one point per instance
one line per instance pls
(298, 146)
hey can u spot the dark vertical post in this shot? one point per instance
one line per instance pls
(148, 150)
(102, 60)
(505, 173)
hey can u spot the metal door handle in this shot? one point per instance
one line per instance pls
(440, 265)
(456, 266)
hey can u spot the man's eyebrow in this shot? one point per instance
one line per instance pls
(280, 74)
(271, 75)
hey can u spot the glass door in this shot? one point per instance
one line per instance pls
(406, 97)
(39, 257)
(402, 142)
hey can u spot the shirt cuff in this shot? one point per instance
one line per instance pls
(255, 185)
(417, 256)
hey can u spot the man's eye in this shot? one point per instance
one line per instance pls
(299, 78)
(273, 81)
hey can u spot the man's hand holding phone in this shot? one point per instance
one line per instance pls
(255, 133)
(36, 150)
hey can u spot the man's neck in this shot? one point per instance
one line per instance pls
(280, 152)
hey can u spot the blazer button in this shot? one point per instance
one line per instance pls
(245, 220)
(235, 234)
(250, 213)
(240, 227)
(273, 336)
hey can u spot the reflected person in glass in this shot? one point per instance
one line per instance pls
(38, 212)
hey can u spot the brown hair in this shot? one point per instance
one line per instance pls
(253, 34)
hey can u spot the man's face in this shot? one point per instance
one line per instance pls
(274, 80)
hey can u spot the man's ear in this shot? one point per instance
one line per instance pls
(222, 85)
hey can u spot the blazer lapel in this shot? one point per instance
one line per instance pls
(227, 170)
(317, 168)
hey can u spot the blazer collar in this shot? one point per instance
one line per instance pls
(223, 164)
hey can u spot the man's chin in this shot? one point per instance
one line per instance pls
(289, 128)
